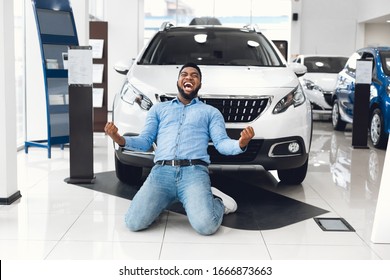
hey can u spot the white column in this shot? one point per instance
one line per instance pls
(295, 40)
(81, 16)
(8, 163)
(381, 226)
(126, 34)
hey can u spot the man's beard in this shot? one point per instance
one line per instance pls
(190, 96)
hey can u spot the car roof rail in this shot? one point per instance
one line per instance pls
(166, 25)
(253, 27)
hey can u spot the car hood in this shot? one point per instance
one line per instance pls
(216, 80)
(327, 81)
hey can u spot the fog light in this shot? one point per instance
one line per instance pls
(293, 147)
(289, 148)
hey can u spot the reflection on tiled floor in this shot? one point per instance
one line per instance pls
(56, 220)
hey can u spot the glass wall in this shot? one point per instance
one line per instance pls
(273, 17)
(96, 9)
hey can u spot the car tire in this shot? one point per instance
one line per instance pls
(293, 176)
(337, 122)
(127, 174)
(377, 133)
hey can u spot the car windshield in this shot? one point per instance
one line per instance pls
(385, 56)
(211, 47)
(318, 64)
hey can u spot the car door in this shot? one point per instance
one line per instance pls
(379, 96)
(346, 84)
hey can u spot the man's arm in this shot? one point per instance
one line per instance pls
(246, 135)
(111, 130)
(143, 141)
(221, 140)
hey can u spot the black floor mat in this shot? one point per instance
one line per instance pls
(258, 209)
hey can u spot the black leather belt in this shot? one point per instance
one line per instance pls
(182, 162)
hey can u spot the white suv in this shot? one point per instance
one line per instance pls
(244, 76)
(320, 80)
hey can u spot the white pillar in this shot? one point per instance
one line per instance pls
(81, 16)
(126, 36)
(295, 40)
(8, 163)
(381, 226)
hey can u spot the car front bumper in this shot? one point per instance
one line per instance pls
(270, 154)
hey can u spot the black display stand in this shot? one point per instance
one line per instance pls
(361, 104)
(80, 116)
(81, 135)
(360, 116)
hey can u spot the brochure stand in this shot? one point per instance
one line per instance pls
(361, 103)
(98, 33)
(56, 31)
(80, 116)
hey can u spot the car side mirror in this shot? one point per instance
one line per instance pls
(298, 68)
(123, 67)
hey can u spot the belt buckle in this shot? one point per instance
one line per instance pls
(173, 163)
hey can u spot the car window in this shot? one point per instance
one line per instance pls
(351, 63)
(319, 64)
(211, 47)
(385, 57)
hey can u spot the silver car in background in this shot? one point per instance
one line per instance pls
(320, 80)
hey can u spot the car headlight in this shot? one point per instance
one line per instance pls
(294, 98)
(311, 85)
(131, 95)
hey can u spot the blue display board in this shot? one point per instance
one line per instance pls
(56, 31)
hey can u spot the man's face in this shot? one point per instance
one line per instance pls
(189, 83)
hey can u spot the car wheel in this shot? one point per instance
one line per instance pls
(127, 174)
(293, 176)
(377, 133)
(337, 122)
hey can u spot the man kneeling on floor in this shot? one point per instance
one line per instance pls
(183, 128)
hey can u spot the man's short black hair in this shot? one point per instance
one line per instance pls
(193, 65)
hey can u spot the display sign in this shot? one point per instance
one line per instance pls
(97, 98)
(80, 71)
(363, 71)
(97, 47)
(98, 70)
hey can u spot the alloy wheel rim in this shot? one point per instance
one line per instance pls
(335, 113)
(375, 128)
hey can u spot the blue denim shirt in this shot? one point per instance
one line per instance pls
(183, 131)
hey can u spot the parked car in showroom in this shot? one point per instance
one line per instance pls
(379, 105)
(244, 76)
(320, 81)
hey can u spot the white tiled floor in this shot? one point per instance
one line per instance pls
(56, 220)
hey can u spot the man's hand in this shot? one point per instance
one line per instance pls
(111, 130)
(246, 136)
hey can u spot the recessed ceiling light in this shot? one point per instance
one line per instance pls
(388, 21)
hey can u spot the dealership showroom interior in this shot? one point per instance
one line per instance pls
(298, 171)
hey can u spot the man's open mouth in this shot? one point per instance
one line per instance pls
(188, 85)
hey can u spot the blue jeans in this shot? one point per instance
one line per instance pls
(167, 184)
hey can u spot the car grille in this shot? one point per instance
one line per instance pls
(318, 108)
(328, 97)
(235, 110)
(249, 155)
